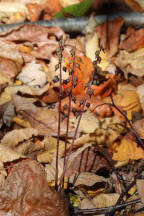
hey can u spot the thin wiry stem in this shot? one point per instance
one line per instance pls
(128, 121)
(105, 210)
(59, 111)
(68, 118)
(78, 123)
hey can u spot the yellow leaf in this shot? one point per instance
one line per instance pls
(25, 49)
(132, 190)
(21, 122)
(128, 150)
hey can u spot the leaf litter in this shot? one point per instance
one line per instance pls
(106, 146)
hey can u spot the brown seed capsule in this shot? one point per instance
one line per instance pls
(88, 105)
(64, 69)
(73, 99)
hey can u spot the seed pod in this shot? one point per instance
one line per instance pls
(71, 71)
(90, 92)
(69, 91)
(81, 102)
(73, 52)
(88, 105)
(56, 67)
(55, 79)
(78, 66)
(74, 110)
(86, 85)
(65, 106)
(79, 59)
(73, 99)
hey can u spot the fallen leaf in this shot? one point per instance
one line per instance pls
(18, 135)
(128, 150)
(132, 62)
(27, 184)
(140, 188)
(8, 155)
(44, 120)
(105, 200)
(139, 127)
(140, 93)
(114, 28)
(86, 204)
(86, 178)
(133, 39)
(32, 75)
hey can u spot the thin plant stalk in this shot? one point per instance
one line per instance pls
(68, 118)
(59, 111)
(78, 123)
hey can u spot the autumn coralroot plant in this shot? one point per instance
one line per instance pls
(86, 85)
(77, 83)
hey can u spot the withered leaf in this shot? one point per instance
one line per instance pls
(44, 120)
(13, 137)
(140, 188)
(114, 27)
(26, 192)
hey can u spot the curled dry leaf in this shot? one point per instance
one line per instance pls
(47, 8)
(140, 188)
(27, 184)
(128, 150)
(139, 127)
(12, 12)
(131, 62)
(85, 159)
(33, 33)
(51, 169)
(114, 28)
(14, 137)
(44, 120)
(105, 200)
(140, 92)
(133, 39)
(8, 68)
(8, 155)
(50, 146)
(87, 178)
(8, 50)
(33, 75)
(86, 204)
(126, 100)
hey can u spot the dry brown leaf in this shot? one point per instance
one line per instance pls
(8, 10)
(27, 184)
(85, 159)
(50, 146)
(140, 92)
(86, 204)
(32, 74)
(133, 39)
(51, 169)
(113, 34)
(8, 68)
(44, 120)
(87, 178)
(8, 50)
(126, 100)
(136, 5)
(8, 155)
(14, 137)
(105, 200)
(140, 188)
(131, 62)
(139, 127)
(128, 150)
(33, 33)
